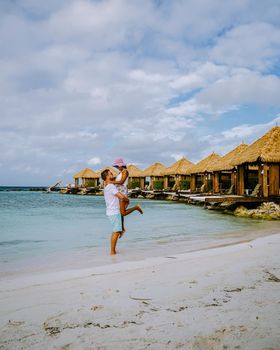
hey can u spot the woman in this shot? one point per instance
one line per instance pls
(121, 183)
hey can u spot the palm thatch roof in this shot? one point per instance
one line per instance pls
(204, 164)
(134, 171)
(227, 161)
(181, 167)
(266, 149)
(156, 169)
(86, 173)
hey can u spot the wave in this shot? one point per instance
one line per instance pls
(20, 241)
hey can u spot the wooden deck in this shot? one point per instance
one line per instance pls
(237, 199)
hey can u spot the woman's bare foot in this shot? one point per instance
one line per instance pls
(139, 209)
(113, 253)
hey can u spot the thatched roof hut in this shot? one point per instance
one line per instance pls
(204, 165)
(266, 149)
(86, 173)
(181, 167)
(156, 169)
(227, 162)
(134, 171)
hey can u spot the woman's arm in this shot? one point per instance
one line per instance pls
(122, 180)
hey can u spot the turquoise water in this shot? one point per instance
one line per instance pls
(40, 230)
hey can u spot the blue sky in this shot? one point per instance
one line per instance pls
(84, 82)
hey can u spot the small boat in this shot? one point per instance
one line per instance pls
(54, 188)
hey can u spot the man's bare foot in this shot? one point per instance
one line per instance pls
(113, 253)
(140, 209)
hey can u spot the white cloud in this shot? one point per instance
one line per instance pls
(177, 156)
(246, 131)
(94, 161)
(242, 88)
(199, 76)
(230, 138)
(138, 79)
(252, 45)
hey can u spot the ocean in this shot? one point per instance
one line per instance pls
(42, 231)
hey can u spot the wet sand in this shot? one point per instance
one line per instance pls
(221, 298)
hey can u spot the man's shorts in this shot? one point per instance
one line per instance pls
(116, 221)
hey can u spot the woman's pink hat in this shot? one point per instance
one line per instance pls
(119, 162)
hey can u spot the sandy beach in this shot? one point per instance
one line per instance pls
(221, 298)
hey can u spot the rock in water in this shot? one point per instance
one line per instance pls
(266, 211)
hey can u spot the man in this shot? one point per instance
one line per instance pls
(112, 198)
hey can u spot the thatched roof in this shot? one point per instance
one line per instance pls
(86, 173)
(227, 161)
(204, 164)
(134, 171)
(156, 169)
(266, 149)
(181, 167)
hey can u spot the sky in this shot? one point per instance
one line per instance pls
(83, 82)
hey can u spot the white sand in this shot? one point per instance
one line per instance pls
(223, 298)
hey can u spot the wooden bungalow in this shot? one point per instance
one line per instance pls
(265, 155)
(156, 174)
(177, 175)
(88, 177)
(200, 174)
(136, 177)
(224, 172)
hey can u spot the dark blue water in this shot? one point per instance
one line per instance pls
(22, 188)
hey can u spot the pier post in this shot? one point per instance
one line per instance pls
(265, 180)
(240, 179)
(178, 182)
(165, 182)
(260, 177)
(205, 179)
(142, 183)
(152, 182)
(274, 180)
(192, 184)
(216, 177)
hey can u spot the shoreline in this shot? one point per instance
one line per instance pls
(34, 279)
(222, 298)
(130, 252)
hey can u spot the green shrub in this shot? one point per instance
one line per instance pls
(185, 184)
(90, 183)
(209, 185)
(158, 184)
(133, 184)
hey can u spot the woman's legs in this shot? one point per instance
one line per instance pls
(126, 211)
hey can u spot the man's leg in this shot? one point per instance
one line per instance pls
(114, 238)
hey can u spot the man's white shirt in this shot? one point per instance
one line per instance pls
(111, 200)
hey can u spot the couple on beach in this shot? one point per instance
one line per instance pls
(116, 199)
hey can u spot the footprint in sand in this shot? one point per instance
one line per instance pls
(96, 307)
(15, 323)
